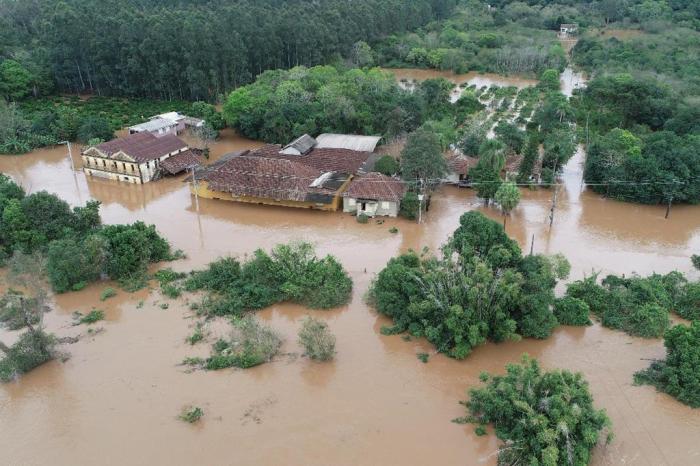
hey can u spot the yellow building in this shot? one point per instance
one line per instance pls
(138, 158)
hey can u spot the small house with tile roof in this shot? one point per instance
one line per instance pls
(138, 158)
(374, 194)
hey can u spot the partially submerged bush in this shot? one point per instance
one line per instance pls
(571, 311)
(543, 418)
(249, 344)
(191, 414)
(637, 305)
(318, 342)
(679, 374)
(17, 310)
(197, 335)
(91, 317)
(31, 350)
(362, 218)
(290, 273)
(107, 293)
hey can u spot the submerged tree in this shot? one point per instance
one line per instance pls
(422, 159)
(508, 197)
(544, 418)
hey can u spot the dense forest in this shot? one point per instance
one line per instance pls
(188, 49)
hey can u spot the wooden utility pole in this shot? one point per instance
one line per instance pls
(532, 244)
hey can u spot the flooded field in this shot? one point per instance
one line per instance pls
(116, 400)
(408, 77)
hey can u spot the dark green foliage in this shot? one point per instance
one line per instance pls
(530, 155)
(423, 357)
(214, 59)
(480, 236)
(249, 344)
(488, 292)
(387, 165)
(290, 273)
(94, 128)
(642, 149)
(421, 158)
(545, 418)
(79, 250)
(363, 218)
(485, 181)
(688, 303)
(131, 248)
(409, 205)
(512, 136)
(679, 374)
(31, 350)
(572, 311)
(637, 305)
(695, 259)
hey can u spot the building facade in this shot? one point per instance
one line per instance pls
(137, 158)
(374, 195)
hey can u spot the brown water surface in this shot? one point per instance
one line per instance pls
(116, 400)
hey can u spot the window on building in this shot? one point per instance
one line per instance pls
(385, 205)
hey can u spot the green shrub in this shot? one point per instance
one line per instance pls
(571, 311)
(249, 344)
(91, 317)
(191, 414)
(688, 304)
(107, 293)
(393, 230)
(386, 165)
(318, 342)
(423, 357)
(637, 305)
(171, 291)
(648, 321)
(409, 206)
(30, 351)
(679, 374)
(695, 259)
(198, 334)
(362, 218)
(168, 275)
(290, 273)
(544, 418)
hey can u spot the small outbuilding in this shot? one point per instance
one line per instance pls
(374, 195)
(459, 167)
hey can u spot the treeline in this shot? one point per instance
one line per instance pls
(283, 104)
(512, 38)
(188, 49)
(644, 140)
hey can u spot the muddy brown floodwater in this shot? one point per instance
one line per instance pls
(115, 401)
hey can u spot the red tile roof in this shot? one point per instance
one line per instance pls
(180, 162)
(143, 147)
(327, 160)
(377, 187)
(265, 177)
(461, 164)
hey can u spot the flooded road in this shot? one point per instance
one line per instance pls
(116, 400)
